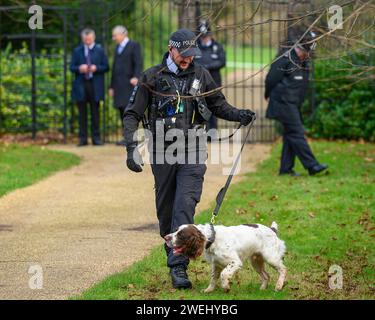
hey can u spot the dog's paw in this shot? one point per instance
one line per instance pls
(278, 288)
(208, 290)
(226, 289)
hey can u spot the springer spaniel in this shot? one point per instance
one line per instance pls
(227, 248)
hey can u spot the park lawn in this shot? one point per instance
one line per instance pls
(256, 55)
(21, 166)
(324, 220)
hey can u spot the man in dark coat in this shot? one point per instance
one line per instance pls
(212, 57)
(286, 85)
(126, 70)
(89, 63)
(169, 94)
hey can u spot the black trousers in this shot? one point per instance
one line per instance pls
(121, 111)
(295, 145)
(178, 189)
(94, 106)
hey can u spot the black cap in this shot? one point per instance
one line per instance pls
(306, 40)
(204, 28)
(184, 40)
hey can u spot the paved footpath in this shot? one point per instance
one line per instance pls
(85, 223)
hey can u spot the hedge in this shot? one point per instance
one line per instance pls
(345, 99)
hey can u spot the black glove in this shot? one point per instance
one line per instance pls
(246, 116)
(134, 160)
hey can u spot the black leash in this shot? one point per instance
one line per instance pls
(220, 196)
(228, 137)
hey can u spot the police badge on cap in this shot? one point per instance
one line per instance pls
(185, 42)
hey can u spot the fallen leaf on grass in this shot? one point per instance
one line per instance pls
(274, 197)
(241, 211)
(311, 214)
(294, 288)
(251, 204)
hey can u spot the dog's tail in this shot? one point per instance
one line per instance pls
(274, 227)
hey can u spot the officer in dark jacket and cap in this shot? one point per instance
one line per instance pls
(178, 97)
(286, 85)
(212, 57)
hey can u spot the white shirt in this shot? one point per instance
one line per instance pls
(171, 65)
(89, 47)
(122, 45)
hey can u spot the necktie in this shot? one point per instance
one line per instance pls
(88, 62)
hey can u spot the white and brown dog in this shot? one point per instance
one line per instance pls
(227, 248)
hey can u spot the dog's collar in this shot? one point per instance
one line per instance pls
(211, 238)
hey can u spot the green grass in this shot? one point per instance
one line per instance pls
(324, 220)
(256, 55)
(21, 166)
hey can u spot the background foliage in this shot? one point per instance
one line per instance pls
(345, 98)
(15, 91)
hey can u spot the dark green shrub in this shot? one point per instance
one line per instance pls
(345, 99)
(15, 90)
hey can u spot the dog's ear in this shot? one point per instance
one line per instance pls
(192, 241)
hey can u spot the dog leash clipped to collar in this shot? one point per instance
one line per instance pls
(211, 239)
(220, 196)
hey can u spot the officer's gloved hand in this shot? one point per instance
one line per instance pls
(246, 116)
(134, 160)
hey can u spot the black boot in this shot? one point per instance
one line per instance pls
(317, 169)
(179, 277)
(291, 173)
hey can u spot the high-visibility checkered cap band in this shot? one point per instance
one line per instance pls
(184, 40)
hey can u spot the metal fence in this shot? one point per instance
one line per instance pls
(35, 81)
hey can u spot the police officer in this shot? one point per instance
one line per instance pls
(212, 57)
(179, 96)
(286, 85)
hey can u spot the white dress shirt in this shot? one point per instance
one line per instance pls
(171, 65)
(122, 45)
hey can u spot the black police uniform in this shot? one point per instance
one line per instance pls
(213, 59)
(178, 186)
(286, 85)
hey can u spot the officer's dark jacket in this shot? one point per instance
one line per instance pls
(286, 85)
(146, 97)
(99, 58)
(213, 59)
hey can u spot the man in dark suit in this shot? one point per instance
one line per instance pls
(89, 63)
(126, 70)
